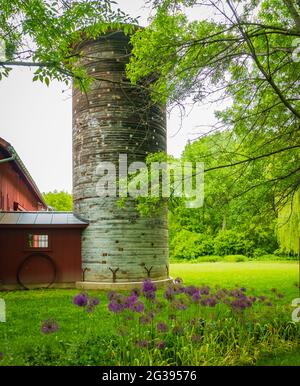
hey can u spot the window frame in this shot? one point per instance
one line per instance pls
(37, 233)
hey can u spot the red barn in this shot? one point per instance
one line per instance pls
(38, 248)
(18, 191)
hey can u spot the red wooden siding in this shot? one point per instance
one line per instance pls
(64, 250)
(14, 192)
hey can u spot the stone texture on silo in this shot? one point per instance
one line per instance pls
(115, 118)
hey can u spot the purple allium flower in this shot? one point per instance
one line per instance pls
(241, 303)
(151, 315)
(252, 298)
(196, 296)
(178, 280)
(94, 302)
(179, 305)
(161, 344)
(142, 343)
(137, 306)
(149, 289)
(148, 285)
(204, 302)
(162, 327)
(144, 319)
(115, 307)
(172, 317)
(212, 301)
(136, 292)
(81, 300)
(204, 290)
(159, 306)
(190, 290)
(112, 295)
(49, 326)
(90, 308)
(262, 298)
(132, 299)
(169, 294)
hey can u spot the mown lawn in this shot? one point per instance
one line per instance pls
(263, 335)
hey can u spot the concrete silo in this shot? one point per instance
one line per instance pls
(114, 118)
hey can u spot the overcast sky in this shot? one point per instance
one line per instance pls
(36, 120)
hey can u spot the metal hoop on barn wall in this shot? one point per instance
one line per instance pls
(32, 256)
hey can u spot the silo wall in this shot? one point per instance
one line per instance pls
(115, 118)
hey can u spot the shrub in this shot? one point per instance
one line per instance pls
(231, 242)
(190, 245)
(258, 252)
(235, 258)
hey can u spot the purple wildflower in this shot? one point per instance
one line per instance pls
(172, 317)
(262, 298)
(196, 296)
(81, 300)
(204, 290)
(116, 306)
(112, 295)
(178, 280)
(94, 302)
(190, 290)
(136, 292)
(90, 308)
(137, 306)
(243, 289)
(142, 343)
(212, 301)
(149, 289)
(49, 326)
(161, 344)
(132, 298)
(169, 294)
(162, 327)
(144, 319)
(151, 315)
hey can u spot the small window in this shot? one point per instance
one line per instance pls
(38, 241)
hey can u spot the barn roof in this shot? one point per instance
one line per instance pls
(8, 151)
(44, 219)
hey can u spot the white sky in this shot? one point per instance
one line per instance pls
(36, 120)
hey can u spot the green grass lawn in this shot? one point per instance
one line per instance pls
(95, 339)
(261, 276)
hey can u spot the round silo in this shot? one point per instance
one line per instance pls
(113, 118)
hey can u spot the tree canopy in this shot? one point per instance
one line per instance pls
(42, 33)
(246, 54)
(59, 201)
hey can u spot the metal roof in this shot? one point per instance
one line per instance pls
(40, 218)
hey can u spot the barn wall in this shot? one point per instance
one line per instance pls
(14, 189)
(65, 246)
(115, 118)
